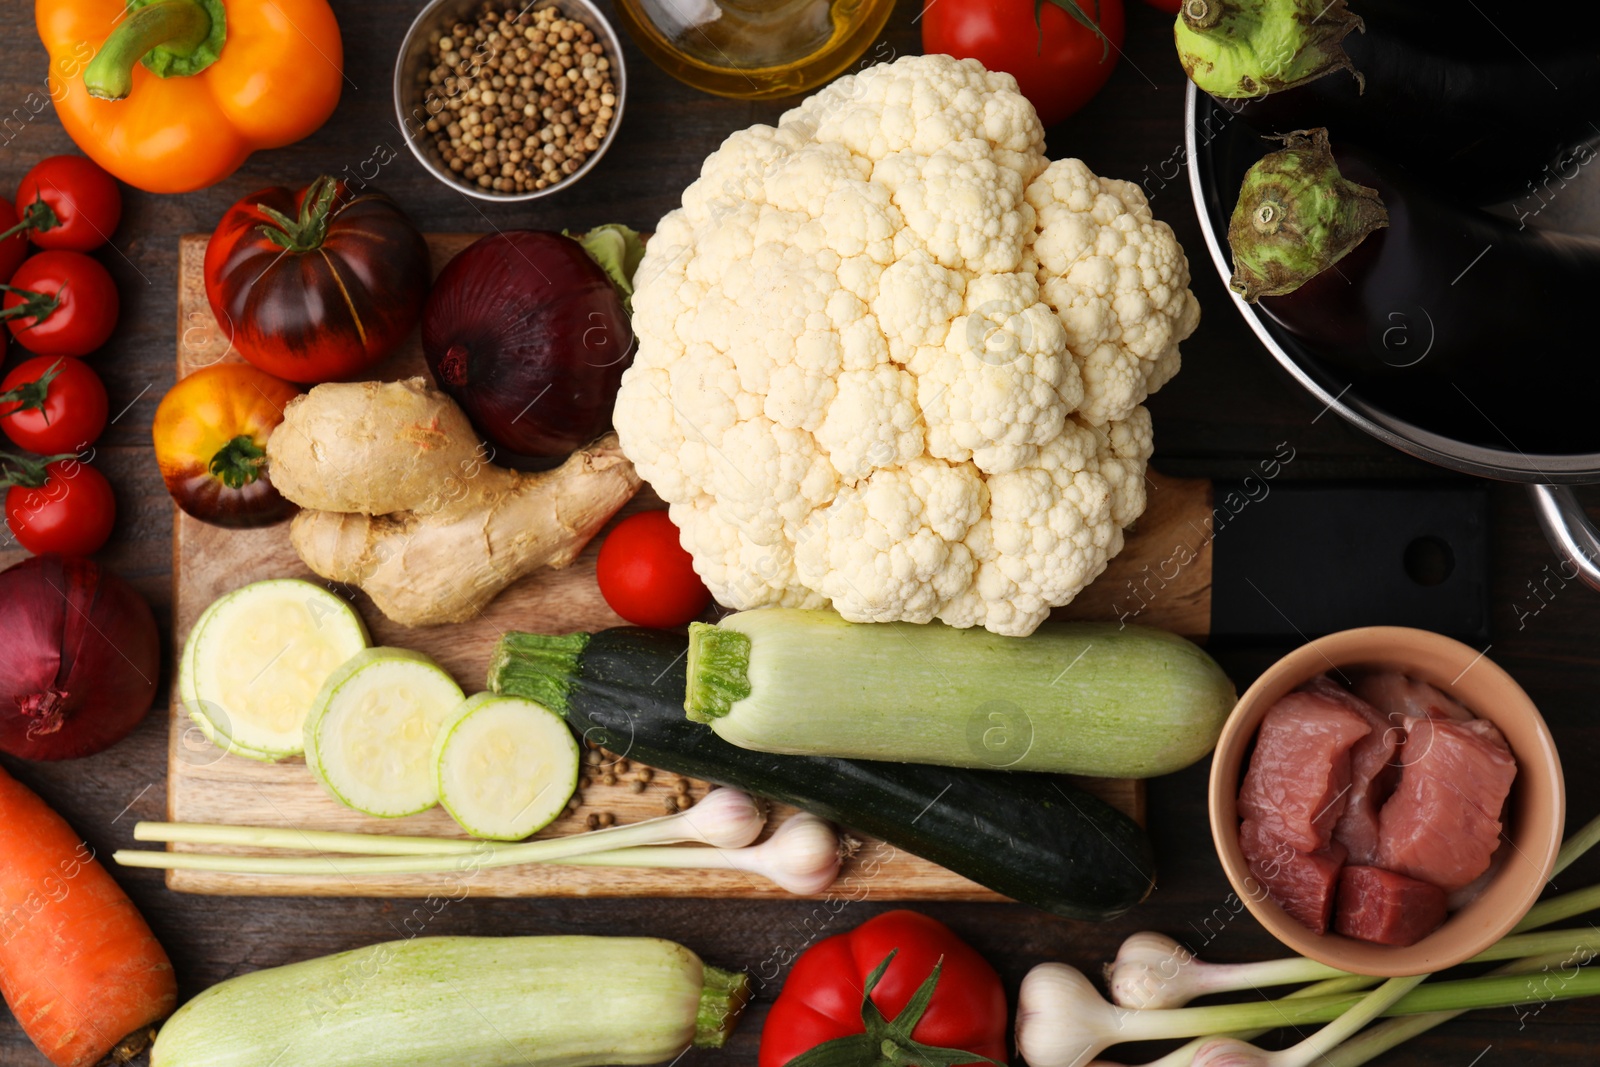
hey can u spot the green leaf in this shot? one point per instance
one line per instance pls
(1077, 14)
(618, 250)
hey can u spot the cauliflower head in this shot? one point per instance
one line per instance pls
(893, 359)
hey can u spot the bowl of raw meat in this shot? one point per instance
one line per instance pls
(1387, 801)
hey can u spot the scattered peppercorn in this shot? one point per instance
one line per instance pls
(682, 803)
(593, 821)
(517, 101)
(608, 778)
(607, 819)
(637, 785)
(644, 774)
(680, 787)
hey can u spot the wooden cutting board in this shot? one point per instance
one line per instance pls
(204, 785)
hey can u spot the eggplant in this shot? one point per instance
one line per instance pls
(1461, 322)
(1479, 128)
(1479, 28)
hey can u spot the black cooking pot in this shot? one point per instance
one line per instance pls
(1220, 149)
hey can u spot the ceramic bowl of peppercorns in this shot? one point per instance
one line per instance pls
(505, 102)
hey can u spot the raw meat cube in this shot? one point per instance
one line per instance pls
(1394, 693)
(1373, 771)
(1302, 883)
(1388, 908)
(1299, 776)
(1442, 824)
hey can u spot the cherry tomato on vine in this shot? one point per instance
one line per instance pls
(61, 304)
(69, 202)
(646, 576)
(52, 404)
(14, 246)
(1058, 61)
(60, 504)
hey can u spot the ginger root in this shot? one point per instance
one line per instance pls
(399, 498)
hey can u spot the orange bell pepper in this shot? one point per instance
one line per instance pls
(173, 95)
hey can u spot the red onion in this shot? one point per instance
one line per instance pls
(79, 661)
(529, 336)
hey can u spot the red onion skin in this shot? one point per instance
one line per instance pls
(79, 660)
(528, 335)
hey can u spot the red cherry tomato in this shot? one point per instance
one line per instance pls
(53, 404)
(61, 304)
(70, 512)
(646, 576)
(70, 203)
(13, 249)
(1058, 72)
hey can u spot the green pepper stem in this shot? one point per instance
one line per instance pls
(178, 27)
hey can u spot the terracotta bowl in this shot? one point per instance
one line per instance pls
(1536, 806)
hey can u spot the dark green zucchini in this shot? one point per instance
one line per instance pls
(1035, 838)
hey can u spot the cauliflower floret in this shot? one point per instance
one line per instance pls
(1119, 282)
(892, 359)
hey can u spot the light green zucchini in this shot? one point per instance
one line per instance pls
(463, 1002)
(1077, 698)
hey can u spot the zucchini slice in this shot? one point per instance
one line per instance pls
(1036, 838)
(506, 766)
(256, 659)
(369, 737)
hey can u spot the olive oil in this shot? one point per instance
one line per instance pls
(754, 49)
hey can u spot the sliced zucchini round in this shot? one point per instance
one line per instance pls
(196, 708)
(255, 660)
(506, 766)
(369, 737)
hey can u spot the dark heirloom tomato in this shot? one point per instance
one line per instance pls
(211, 444)
(316, 286)
(819, 1019)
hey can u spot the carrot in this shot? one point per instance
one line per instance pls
(79, 967)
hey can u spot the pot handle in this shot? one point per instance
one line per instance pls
(1568, 529)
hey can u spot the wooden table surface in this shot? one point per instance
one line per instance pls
(1225, 412)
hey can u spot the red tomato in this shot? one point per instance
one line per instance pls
(69, 202)
(316, 285)
(1058, 72)
(646, 576)
(821, 999)
(70, 511)
(14, 248)
(52, 404)
(61, 304)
